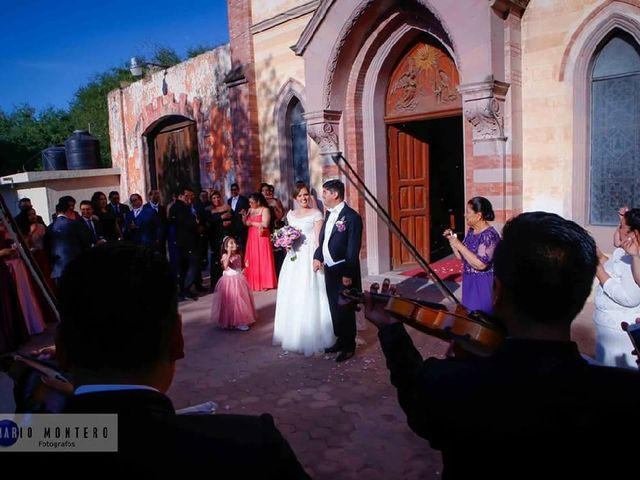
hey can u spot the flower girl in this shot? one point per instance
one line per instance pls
(232, 306)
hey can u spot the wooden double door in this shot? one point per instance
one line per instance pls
(174, 159)
(426, 185)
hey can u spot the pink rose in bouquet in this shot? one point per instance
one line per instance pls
(285, 237)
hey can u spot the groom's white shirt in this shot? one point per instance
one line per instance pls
(328, 228)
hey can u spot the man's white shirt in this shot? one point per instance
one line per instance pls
(331, 221)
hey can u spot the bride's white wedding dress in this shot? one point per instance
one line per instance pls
(303, 319)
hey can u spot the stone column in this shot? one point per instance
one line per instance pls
(323, 127)
(488, 171)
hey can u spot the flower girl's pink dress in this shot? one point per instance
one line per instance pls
(232, 305)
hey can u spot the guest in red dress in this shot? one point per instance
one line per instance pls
(258, 260)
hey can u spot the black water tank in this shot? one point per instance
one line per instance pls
(54, 158)
(83, 150)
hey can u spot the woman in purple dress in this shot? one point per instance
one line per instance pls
(476, 253)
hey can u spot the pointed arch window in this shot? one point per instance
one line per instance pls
(296, 127)
(615, 129)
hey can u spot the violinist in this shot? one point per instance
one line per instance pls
(535, 408)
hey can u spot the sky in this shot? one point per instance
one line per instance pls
(50, 48)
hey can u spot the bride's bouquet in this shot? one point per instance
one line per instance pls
(285, 237)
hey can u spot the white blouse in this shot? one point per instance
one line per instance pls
(619, 298)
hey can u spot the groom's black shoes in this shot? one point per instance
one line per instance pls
(346, 355)
(335, 348)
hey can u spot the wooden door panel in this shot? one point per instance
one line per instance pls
(409, 193)
(177, 163)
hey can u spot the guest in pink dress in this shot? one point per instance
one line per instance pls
(259, 263)
(13, 329)
(232, 305)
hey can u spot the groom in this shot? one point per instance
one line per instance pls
(339, 255)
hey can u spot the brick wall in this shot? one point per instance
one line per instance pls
(242, 96)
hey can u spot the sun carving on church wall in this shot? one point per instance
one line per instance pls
(426, 57)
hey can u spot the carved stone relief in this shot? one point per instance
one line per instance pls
(322, 127)
(423, 82)
(483, 109)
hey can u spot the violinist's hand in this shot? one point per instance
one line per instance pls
(46, 353)
(374, 305)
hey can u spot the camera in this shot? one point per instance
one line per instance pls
(633, 330)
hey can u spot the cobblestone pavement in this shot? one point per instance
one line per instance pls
(342, 420)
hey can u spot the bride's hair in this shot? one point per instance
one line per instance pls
(298, 188)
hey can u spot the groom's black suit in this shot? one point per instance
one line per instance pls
(344, 244)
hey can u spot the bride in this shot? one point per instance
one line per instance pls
(303, 319)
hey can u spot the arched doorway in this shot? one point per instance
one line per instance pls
(423, 116)
(174, 162)
(296, 128)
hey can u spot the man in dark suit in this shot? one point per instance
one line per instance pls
(535, 408)
(339, 255)
(122, 359)
(119, 209)
(238, 203)
(161, 210)
(185, 258)
(91, 223)
(142, 224)
(65, 238)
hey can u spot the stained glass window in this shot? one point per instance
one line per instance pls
(615, 130)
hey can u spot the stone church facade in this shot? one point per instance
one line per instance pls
(532, 104)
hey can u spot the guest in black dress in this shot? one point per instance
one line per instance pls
(221, 222)
(107, 217)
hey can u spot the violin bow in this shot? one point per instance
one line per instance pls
(23, 249)
(370, 198)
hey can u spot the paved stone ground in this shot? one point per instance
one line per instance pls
(342, 420)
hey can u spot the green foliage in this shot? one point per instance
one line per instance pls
(198, 50)
(25, 133)
(90, 111)
(165, 56)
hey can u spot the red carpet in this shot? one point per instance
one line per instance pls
(449, 269)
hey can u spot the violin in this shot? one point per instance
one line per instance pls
(473, 332)
(39, 386)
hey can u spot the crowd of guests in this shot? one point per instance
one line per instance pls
(189, 230)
